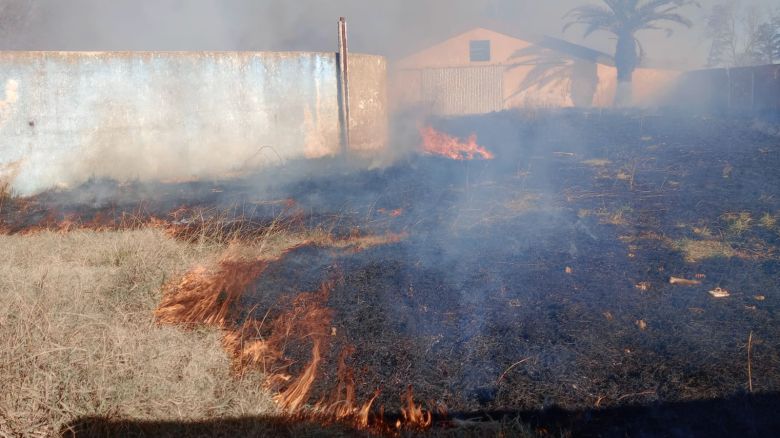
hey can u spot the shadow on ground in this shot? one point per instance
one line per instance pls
(738, 416)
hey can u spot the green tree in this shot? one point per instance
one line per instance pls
(624, 18)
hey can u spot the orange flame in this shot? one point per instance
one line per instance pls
(414, 415)
(292, 398)
(205, 296)
(439, 143)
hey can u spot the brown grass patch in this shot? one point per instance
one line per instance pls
(699, 250)
(78, 338)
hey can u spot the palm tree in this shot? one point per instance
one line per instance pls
(624, 18)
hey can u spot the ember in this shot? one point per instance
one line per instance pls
(439, 143)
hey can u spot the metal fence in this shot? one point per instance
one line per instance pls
(744, 89)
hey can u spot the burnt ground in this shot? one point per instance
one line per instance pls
(537, 284)
(481, 282)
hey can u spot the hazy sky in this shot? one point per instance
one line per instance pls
(389, 27)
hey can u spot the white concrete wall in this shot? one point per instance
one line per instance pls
(69, 116)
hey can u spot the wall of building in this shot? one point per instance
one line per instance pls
(69, 116)
(541, 78)
(462, 86)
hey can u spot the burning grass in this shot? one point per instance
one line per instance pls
(439, 143)
(208, 297)
(79, 338)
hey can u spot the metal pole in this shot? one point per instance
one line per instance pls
(344, 85)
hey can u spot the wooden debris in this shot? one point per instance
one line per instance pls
(728, 170)
(644, 286)
(608, 315)
(720, 293)
(683, 281)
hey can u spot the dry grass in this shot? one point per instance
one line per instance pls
(77, 336)
(616, 217)
(698, 250)
(5, 194)
(738, 223)
(597, 162)
(768, 221)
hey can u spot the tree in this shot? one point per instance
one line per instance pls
(740, 37)
(624, 18)
(722, 29)
(768, 39)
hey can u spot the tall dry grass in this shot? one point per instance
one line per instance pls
(78, 339)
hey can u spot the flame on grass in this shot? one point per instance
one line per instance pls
(208, 297)
(414, 416)
(439, 143)
(205, 296)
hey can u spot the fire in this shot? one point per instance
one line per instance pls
(414, 415)
(208, 296)
(292, 398)
(205, 296)
(439, 143)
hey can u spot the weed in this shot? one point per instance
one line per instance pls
(738, 223)
(698, 250)
(768, 221)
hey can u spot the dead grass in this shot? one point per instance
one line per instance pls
(78, 339)
(597, 162)
(614, 217)
(5, 194)
(768, 221)
(699, 250)
(738, 223)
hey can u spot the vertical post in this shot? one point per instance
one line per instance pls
(344, 85)
(752, 88)
(728, 75)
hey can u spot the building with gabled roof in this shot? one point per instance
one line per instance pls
(483, 70)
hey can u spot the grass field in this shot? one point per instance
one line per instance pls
(77, 335)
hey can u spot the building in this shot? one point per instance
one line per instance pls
(484, 70)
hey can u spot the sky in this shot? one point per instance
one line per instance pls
(386, 27)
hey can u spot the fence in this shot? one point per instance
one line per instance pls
(744, 89)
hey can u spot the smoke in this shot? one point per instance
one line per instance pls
(390, 28)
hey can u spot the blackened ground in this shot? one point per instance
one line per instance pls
(476, 309)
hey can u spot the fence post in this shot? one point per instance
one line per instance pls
(343, 66)
(752, 89)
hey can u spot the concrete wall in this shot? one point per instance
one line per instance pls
(68, 116)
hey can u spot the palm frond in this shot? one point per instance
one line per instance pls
(593, 17)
